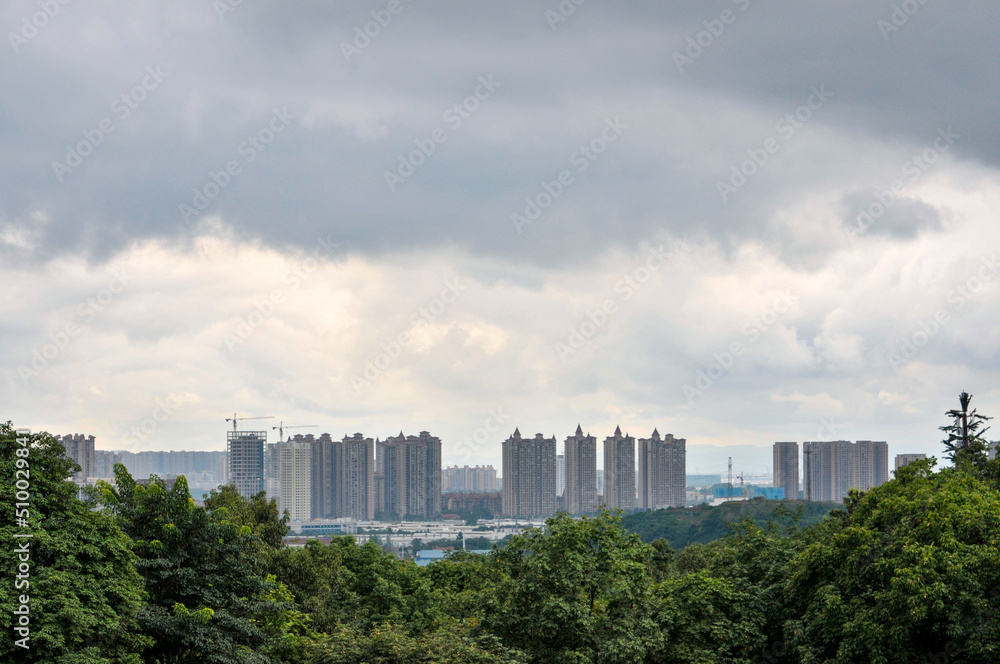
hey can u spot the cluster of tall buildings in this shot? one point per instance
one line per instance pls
(533, 474)
(200, 468)
(409, 471)
(830, 469)
(354, 477)
(468, 479)
(401, 476)
(341, 478)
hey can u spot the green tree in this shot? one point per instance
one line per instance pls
(287, 629)
(905, 573)
(705, 523)
(725, 600)
(700, 619)
(207, 595)
(662, 564)
(85, 594)
(259, 513)
(453, 642)
(965, 445)
(342, 585)
(574, 592)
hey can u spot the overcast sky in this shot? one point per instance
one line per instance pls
(736, 221)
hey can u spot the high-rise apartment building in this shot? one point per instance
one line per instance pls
(580, 495)
(354, 483)
(245, 454)
(832, 468)
(80, 448)
(907, 459)
(786, 468)
(662, 477)
(294, 475)
(467, 479)
(826, 469)
(619, 471)
(410, 467)
(991, 450)
(870, 464)
(324, 471)
(529, 476)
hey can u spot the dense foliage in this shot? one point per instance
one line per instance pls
(84, 591)
(705, 523)
(907, 572)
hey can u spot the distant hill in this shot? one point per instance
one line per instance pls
(703, 523)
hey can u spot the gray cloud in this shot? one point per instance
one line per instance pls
(904, 218)
(355, 118)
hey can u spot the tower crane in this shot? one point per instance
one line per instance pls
(235, 419)
(281, 429)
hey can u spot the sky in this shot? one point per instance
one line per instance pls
(735, 221)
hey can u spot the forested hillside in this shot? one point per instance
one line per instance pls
(704, 523)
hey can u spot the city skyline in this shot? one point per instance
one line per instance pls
(757, 463)
(703, 456)
(402, 477)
